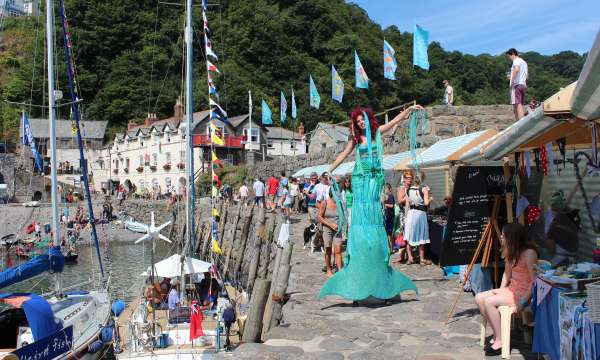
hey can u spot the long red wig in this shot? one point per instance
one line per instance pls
(355, 131)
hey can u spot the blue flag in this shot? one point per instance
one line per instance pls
(337, 86)
(389, 61)
(294, 110)
(315, 98)
(282, 108)
(266, 114)
(362, 80)
(29, 140)
(420, 45)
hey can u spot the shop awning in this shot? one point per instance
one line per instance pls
(319, 169)
(577, 134)
(344, 169)
(585, 103)
(391, 161)
(529, 127)
(439, 153)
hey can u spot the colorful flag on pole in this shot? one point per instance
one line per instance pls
(29, 140)
(216, 135)
(211, 67)
(362, 80)
(389, 61)
(216, 161)
(294, 109)
(337, 86)
(208, 47)
(420, 45)
(217, 181)
(315, 98)
(217, 112)
(266, 114)
(282, 108)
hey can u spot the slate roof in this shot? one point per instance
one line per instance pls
(89, 129)
(275, 132)
(338, 133)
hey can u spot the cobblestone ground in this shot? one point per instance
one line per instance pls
(411, 327)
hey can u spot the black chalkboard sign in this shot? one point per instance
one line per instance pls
(475, 188)
(531, 187)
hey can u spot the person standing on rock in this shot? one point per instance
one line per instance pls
(448, 93)
(367, 271)
(259, 192)
(518, 82)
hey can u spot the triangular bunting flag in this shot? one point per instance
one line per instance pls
(282, 108)
(294, 110)
(389, 61)
(266, 113)
(337, 86)
(216, 135)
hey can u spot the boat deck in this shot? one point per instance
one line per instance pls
(179, 343)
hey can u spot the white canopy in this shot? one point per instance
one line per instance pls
(171, 267)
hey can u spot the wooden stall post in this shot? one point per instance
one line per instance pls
(253, 326)
(509, 197)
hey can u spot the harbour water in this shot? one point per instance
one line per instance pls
(127, 261)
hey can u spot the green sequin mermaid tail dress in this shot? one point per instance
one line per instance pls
(367, 271)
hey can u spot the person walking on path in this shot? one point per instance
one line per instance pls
(311, 197)
(416, 229)
(273, 188)
(448, 93)
(293, 186)
(388, 214)
(259, 192)
(328, 217)
(244, 192)
(518, 82)
(367, 272)
(520, 256)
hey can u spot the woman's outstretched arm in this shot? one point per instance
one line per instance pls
(343, 155)
(402, 116)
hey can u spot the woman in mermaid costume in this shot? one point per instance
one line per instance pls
(367, 272)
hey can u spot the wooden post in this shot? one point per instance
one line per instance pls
(222, 222)
(278, 297)
(265, 256)
(253, 326)
(232, 241)
(243, 241)
(279, 280)
(260, 229)
(206, 240)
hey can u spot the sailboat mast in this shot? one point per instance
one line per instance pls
(52, 120)
(189, 159)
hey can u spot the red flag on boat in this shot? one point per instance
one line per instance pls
(196, 321)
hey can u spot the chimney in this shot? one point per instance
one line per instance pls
(150, 119)
(131, 125)
(178, 110)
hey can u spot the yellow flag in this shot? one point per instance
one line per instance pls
(215, 213)
(215, 191)
(216, 135)
(215, 247)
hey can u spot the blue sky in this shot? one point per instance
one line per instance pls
(486, 26)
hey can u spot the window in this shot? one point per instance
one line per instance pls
(64, 143)
(116, 164)
(182, 156)
(168, 136)
(323, 146)
(269, 143)
(254, 137)
(155, 159)
(168, 183)
(127, 163)
(141, 160)
(293, 145)
(168, 157)
(229, 159)
(142, 184)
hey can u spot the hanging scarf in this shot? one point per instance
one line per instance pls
(594, 163)
(544, 158)
(528, 163)
(523, 167)
(562, 145)
(342, 228)
(423, 119)
(412, 135)
(517, 162)
(536, 157)
(550, 156)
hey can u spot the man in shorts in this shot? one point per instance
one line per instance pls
(273, 187)
(518, 82)
(311, 197)
(259, 192)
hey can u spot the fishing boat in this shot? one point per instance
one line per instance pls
(62, 324)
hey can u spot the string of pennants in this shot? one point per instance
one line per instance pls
(420, 59)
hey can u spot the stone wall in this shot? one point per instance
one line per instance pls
(442, 122)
